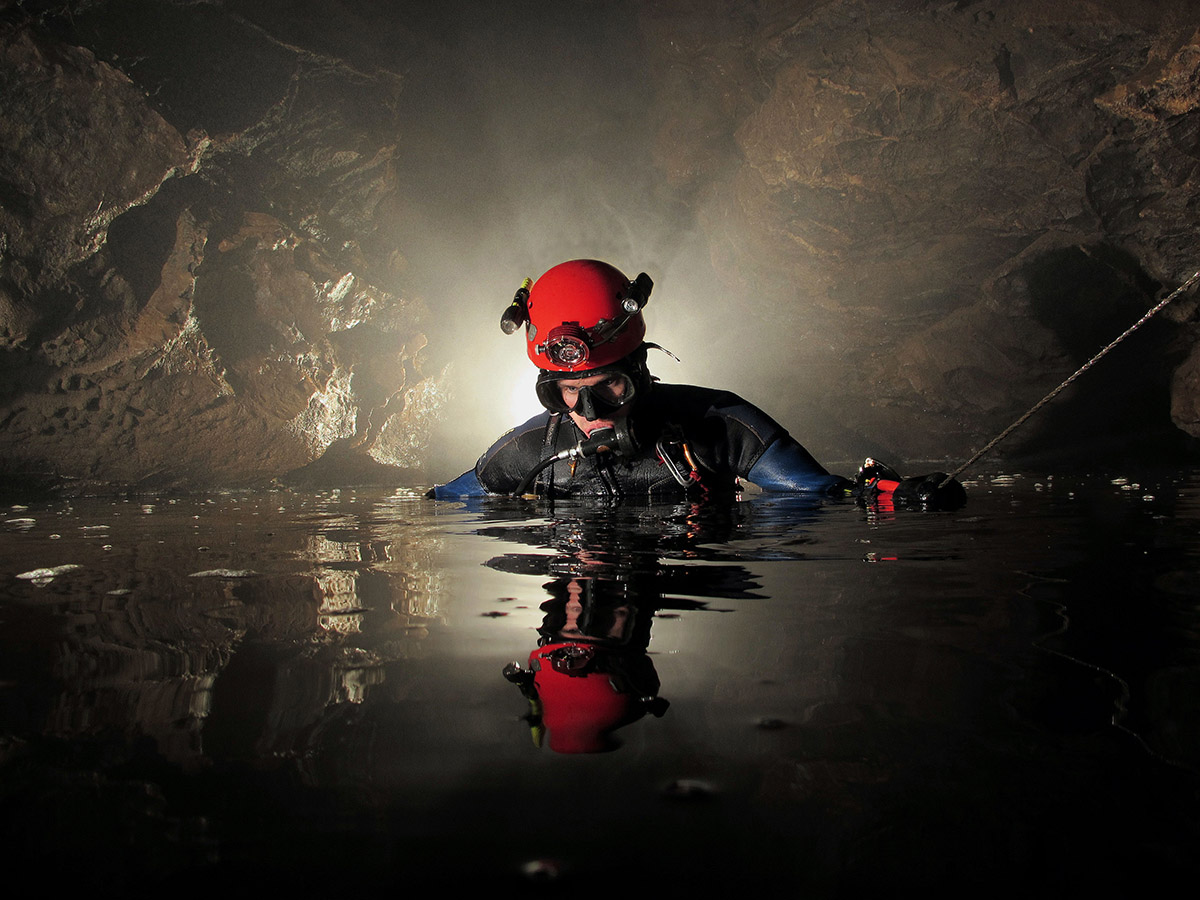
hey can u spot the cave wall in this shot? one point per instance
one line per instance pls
(933, 212)
(191, 288)
(922, 216)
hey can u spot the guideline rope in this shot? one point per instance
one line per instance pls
(1087, 365)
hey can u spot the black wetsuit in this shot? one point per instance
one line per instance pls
(691, 440)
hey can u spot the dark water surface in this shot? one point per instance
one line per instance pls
(304, 693)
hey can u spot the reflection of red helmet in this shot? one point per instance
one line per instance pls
(585, 314)
(581, 706)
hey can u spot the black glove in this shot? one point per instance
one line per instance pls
(937, 490)
(876, 479)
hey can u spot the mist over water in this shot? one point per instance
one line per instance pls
(531, 142)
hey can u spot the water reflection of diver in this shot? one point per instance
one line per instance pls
(590, 674)
(610, 429)
(615, 570)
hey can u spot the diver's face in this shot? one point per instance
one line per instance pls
(607, 386)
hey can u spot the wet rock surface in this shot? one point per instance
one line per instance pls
(924, 216)
(188, 288)
(952, 201)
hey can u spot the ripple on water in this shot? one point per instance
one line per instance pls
(295, 666)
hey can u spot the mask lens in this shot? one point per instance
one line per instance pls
(615, 391)
(612, 392)
(596, 401)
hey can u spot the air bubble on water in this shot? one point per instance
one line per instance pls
(47, 574)
(688, 789)
(541, 870)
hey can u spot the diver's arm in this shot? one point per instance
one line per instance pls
(503, 465)
(785, 466)
(465, 485)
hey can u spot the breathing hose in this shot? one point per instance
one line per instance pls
(619, 442)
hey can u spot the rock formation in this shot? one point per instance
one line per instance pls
(201, 309)
(926, 213)
(956, 203)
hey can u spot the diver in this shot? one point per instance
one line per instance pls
(612, 429)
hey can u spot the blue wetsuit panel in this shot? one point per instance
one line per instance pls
(465, 485)
(786, 466)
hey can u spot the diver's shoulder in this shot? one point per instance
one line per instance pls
(698, 395)
(536, 422)
(690, 390)
(534, 425)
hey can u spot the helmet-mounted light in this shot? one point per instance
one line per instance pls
(568, 346)
(572, 659)
(636, 294)
(517, 313)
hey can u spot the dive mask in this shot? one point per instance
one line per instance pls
(602, 400)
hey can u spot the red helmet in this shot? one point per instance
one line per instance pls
(581, 705)
(584, 314)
